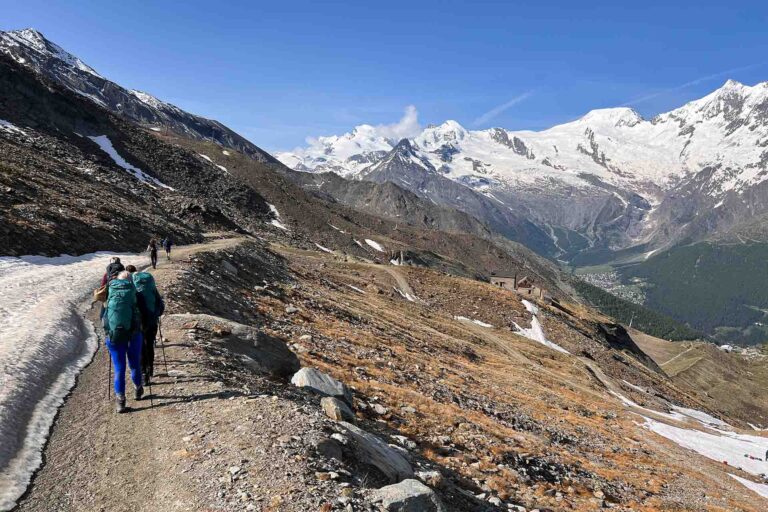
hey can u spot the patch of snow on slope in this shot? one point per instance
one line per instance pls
(477, 322)
(536, 332)
(45, 344)
(337, 229)
(106, 145)
(277, 221)
(721, 447)
(223, 168)
(324, 249)
(407, 296)
(703, 418)
(376, 245)
(206, 157)
(761, 489)
(10, 127)
(356, 289)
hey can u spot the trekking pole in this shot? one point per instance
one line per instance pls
(151, 400)
(109, 378)
(162, 344)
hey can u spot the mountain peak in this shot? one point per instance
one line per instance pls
(619, 116)
(732, 84)
(30, 44)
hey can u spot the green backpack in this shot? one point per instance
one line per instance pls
(145, 286)
(120, 310)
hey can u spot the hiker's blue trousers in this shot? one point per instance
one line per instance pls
(119, 352)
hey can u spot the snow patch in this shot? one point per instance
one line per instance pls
(407, 296)
(277, 221)
(535, 332)
(9, 127)
(206, 157)
(761, 489)
(474, 321)
(376, 245)
(356, 289)
(324, 249)
(337, 229)
(223, 168)
(734, 449)
(106, 146)
(45, 344)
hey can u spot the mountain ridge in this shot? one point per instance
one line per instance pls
(30, 48)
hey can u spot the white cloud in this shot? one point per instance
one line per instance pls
(408, 126)
(501, 108)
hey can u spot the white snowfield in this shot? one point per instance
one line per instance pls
(106, 145)
(725, 128)
(44, 343)
(536, 332)
(741, 451)
(376, 245)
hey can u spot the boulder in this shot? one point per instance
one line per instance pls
(263, 353)
(408, 496)
(330, 449)
(321, 383)
(337, 410)
(372, 450)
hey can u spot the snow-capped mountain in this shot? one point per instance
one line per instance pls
(606, 178)
(31, 49)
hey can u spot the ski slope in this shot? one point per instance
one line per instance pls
(44, 343)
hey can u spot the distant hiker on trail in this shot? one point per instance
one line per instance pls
(154, 306)
(167, 244)
(122, 324)
(114, 268)
(152, 248)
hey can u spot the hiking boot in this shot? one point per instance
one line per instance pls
(139, 393)
(146, 379)
(120, 404)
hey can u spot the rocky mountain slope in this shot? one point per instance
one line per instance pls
(414, 372)
(566, 416)
(31, 49)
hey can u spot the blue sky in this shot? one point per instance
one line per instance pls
(278, 72)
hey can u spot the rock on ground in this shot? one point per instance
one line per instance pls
(263, 353)
(321, 383)
(337, 410)
(374, 451)
(408, 496)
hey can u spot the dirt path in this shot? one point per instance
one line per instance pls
(98, 460)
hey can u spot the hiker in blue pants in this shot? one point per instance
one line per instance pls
(121, 318)
(119, 352)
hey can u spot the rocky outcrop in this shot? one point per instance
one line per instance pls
(337, 410)
(372, 450)
(262, 353)
(408, 496)
(321, 383)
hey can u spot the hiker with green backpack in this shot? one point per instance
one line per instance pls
(121, 318)
(153, 309)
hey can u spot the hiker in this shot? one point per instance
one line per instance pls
(122, 324)
(152, 248)
(153, 309)
(167, 244)
(114, 268)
